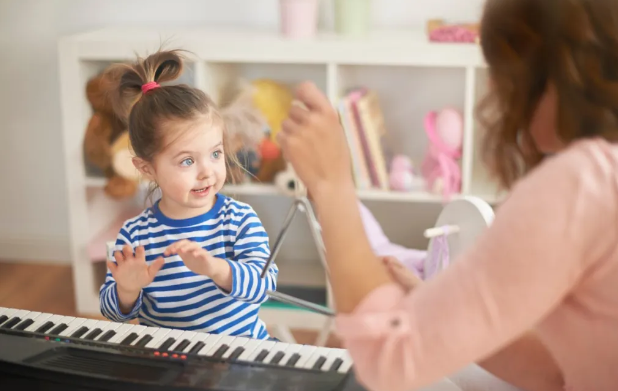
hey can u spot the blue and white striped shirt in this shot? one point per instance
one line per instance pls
(181, 299)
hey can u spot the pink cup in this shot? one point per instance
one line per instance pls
(299, 18)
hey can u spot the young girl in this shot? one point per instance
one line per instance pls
(536, 297)
(193, 260)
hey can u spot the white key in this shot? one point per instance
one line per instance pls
(189, 335)
(224, 340)
(172, 334)
(266, 345)
(32, 316)
(331, 357)
(289, 352)
(250, 348)
(279, 347)
(73, 326)
(238, 342)
(110, 326)
(20, 314)
(157, 334)
(55, 319)
(313, 358)
(89, 324)
(210, 342)
(305, 354)
(121, 333)
(141, 331)
(39, 320)
(8, 312)
(199, 337)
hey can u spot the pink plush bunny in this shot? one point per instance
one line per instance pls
(402, 176)
(440, 167)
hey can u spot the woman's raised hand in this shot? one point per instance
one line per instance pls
(313, 141)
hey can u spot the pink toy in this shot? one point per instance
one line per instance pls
(402, 176)
(440, 167)
(453, 34)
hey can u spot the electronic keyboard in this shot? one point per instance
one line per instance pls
(54, 352)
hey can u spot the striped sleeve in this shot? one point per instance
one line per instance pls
(108, 295)
(251, 251)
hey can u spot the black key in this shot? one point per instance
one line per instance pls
(24, 324)
(292, 361)
(166, 345)
(236, 353)
(93, 334)
(46, 326)
(9, 324)
(143, 341)
(318, 364)
(219, 353)
(277, 357)
(336, 364)
(80, 331)
(58, 329)
(3, 318)
(260, 357)
(182, 345)
(197, 347)
(108, 334)
(129, 339)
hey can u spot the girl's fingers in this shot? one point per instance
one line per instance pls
(112, 268)
(127, 251)
(140, 253)
(119, 257)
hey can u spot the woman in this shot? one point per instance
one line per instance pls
(543, 278)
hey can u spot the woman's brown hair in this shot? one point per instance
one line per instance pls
(529, 45)
(148, 114)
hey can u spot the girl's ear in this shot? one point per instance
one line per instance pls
(144, 168)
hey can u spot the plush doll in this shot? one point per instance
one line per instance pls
(440, 168)
(402, 175)
(104, 128)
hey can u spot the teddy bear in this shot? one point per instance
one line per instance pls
(105, 128)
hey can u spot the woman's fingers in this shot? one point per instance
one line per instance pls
(311, 96)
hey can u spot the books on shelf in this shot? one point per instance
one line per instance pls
(363, 122)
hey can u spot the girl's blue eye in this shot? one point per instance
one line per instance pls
(187, 162)
(216, 154)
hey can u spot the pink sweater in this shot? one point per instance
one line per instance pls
(548, 262)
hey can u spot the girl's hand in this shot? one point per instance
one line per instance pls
(313, 141)
(131, 271)
(199, 261)
(400, 274)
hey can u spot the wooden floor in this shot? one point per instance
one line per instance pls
(49, 288)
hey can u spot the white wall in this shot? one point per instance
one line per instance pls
(33, 206)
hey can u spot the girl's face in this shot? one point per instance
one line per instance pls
(190, 170)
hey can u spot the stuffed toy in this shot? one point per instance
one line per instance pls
(104, 128)
(440, 168)
(403, 176)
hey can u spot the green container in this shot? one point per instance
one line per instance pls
(352, 17)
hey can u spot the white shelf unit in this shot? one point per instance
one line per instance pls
(411, 76)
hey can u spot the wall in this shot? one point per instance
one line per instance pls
(33, 207)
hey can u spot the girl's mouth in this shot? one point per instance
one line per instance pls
(201, 192)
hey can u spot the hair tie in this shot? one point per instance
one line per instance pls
(151, 85)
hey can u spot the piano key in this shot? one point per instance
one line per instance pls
(219, 352)
(279, 347)
(331, 355)
(106, 326)
(8, 312)
(261, 355)
(3, 318)
(319, 362)
(24, 324)
(129, 339)
(142, 332)
(80, 332)
(309, 364)
(38, 321)
(45, 327)
(236, 347)
(143, 341)
(11, 322)
(58, 329)
(222, 340)
(336, 364)
(289, 352)
(305, 354)
(107, 335)
(293, 360)
(197, 347)
(347, 363)
(180, 347)
(277, 358)
(157, 334)
(236, 353)
(210, 342)
(183, 341)
(92, 334)
(73, 326)
(122, 332)
(250, 348)
(265, 345)
(167, 344)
